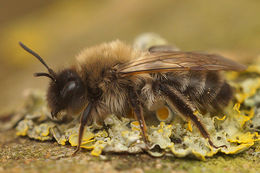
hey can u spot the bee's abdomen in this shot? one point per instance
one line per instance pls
(213, 94)
(223, 97)
(208, 91)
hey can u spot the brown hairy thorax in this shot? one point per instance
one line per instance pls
(96, 60)
(97, 67)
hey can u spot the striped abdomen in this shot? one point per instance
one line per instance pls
(207, 90)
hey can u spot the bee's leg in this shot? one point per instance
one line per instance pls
(176, 100)
(83, 122)
(138, 111)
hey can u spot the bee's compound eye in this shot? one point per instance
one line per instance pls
(70, 86)
(164, 114)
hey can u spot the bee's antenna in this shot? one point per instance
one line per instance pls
(51, 73)
(44, 74)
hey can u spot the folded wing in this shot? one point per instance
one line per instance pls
(166, 61)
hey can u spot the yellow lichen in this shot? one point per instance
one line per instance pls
(222, 118)
(189, 126)
(22, 128)
(249, 87)
(243, 116)
(98, 147)
(244, 138)
(135, 126)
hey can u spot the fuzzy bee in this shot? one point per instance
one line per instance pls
(114, 78)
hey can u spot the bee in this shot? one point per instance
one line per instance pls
(113, 78)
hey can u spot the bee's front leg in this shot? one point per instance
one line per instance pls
(83, 121)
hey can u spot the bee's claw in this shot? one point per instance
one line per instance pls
(221, 146)
(54, 114)
(76, 151)
(217, 147)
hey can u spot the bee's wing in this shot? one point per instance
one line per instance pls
(166, 61)
(163, 48)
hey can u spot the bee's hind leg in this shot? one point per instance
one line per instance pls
(178, 101)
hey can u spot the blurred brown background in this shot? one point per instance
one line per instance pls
(58, 30)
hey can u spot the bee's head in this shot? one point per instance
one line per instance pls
(66, 90)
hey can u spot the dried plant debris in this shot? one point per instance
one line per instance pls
(238, 129)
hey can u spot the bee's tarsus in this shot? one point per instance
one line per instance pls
(214, 146)
(76, 151)
(83, 121)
